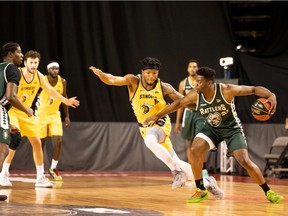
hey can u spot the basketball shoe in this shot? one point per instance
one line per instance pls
(274, 197)
(4, 180)
(179, 179)
(55, 174)
(43, 182)
(213, 188)
(198, 196)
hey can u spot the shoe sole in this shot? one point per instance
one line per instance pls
(197, 201)
(278, 201)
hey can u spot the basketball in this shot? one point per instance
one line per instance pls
(260, 110)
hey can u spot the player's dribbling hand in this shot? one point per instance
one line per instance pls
(273, 101)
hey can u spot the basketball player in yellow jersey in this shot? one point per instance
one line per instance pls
(31, 81)
(146, 94)
(49, 116)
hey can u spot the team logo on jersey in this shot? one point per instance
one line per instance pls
(24, 98)
(145, 108)
(50, 101)
(214, 119)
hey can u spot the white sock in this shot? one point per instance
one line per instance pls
(160, 152)
(54, 164)
(40, 170)
(5, 168)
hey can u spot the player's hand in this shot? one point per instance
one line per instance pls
(67, 122)
(273, 101)
(177, 128)
(96, 71)
(29, 112)
(150, 121)
(73, 102)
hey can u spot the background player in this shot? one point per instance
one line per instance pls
(49, 116)
(31, 81)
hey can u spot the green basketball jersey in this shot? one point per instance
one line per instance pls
(3, 80)
(218, 113)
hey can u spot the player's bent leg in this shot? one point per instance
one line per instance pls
(241, 155)
(152, 143)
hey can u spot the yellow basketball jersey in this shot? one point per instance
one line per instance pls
(146, 103)
(47, 103)
(28, 91)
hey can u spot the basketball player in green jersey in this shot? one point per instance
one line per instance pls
(192, 122)
(49, 116)
(21, 125)
(9, 80)
(146, 95)
(215, 102)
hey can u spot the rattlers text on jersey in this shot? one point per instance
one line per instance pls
(218, 112)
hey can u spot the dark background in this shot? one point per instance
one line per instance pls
(114, 36)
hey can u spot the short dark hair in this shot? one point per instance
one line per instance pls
(150, 63)
(31, 54)
(8, 47)
(191, 61)
(207, 72)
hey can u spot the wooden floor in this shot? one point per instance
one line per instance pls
(135, 193)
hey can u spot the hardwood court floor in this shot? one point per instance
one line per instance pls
(135, 193)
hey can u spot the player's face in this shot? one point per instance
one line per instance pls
(192, 68)
(149, 76)
(53, 71)
(17, 57)
(32, 64)
(201, 84)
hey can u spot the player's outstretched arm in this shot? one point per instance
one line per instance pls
(110, 79)
(73, 102)
(185, 101)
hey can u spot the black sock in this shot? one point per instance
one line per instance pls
(265, 187)
(204, 165)
(199, 184)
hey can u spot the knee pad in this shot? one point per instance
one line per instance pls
(150, 141)
(15, 140)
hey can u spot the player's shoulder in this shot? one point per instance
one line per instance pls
(132, 78)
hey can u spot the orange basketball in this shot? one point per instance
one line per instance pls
(260, 110)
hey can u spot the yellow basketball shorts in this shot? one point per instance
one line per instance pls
(50, 125)
(167, 130)
(28, 126)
